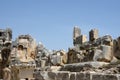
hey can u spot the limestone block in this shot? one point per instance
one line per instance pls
(63, 76)
(118, 76)
(73, 76)
(77, 67)
(118, 40)
(105, 54)
(7, 74)
(116, 48)
(43, 62)
(82, 76)
(93, 34)
(26, 73)
(52, 75)
(76, 34)
(104, 77)
(40, 75)
(56, 59)
(55, 68)
(97, 55)
(81, 39)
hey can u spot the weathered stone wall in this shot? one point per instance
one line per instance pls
(63, 75)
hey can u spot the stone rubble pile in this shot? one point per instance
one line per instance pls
(26, 59)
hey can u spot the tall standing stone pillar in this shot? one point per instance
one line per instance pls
(76, 35)
(93, 35)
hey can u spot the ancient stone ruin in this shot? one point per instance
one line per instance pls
(96, 49)
(95, 59)
(5, 43)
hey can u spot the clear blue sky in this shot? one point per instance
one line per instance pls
(52, 21)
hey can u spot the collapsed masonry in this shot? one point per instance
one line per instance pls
(96, 59)
(27, 58)
(23, 49)
(44, 57)
(5, 43)
(96, 49)
(23, 56)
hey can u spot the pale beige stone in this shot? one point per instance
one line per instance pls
(6, 74)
